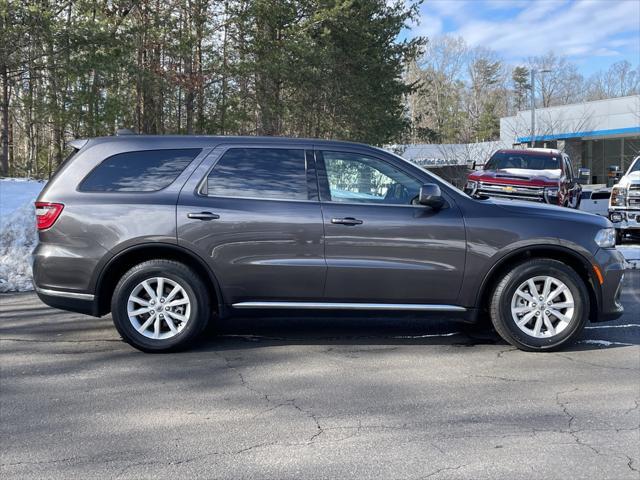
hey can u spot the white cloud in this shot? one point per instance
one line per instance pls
(518, 30)
(430, 25)
(606, 52)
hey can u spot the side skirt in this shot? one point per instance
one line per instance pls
(413, 307)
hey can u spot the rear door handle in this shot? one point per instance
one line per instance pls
(346, 221)
(203, 216)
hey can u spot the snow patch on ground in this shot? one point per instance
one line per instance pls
(18, 235)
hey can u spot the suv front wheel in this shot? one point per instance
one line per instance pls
(541, 304)
(160, 305)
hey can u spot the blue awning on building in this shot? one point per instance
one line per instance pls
(584, 134)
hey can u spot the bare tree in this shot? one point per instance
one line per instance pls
(620, 80)
(437, 104)
(563, 83)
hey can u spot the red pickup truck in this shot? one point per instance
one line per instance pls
(534, 174)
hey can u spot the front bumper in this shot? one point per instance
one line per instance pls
(625, 218)
(512, 192)
(612, 266)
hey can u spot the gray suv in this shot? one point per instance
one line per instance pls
(170, 233)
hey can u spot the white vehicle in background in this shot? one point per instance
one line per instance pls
(624, 205)
(596, 201)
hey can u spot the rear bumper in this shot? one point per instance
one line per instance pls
(62, 276)
(72, 301)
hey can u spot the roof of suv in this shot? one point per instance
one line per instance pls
(205, 140)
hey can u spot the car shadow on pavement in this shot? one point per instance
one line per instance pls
(24, 318)
(376, 331)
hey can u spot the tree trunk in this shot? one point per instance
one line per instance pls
(4, 134)
(189, 96)
(223, 88)
(139, 90)
(200, 19)
(54, 106)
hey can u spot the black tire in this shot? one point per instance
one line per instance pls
(500, 306)
(198, 296)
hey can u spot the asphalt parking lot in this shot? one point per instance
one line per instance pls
(325, 398)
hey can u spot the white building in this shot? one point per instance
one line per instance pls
(434, 154)
(595, 134)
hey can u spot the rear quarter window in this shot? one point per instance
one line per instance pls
(140, 171)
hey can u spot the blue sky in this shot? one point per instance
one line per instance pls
(592, 33)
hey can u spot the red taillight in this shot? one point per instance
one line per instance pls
(47, 213)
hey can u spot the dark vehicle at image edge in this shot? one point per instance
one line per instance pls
(534, 174)
(169, 233)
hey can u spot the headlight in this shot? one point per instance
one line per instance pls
(618, 195)
(551, 195)
(606, 238)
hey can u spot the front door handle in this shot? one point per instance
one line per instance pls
(346, 221)
(203, 216)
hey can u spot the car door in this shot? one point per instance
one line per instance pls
(252, 212)
(379, 246)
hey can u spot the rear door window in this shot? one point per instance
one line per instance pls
(274, 173)
(141, 171)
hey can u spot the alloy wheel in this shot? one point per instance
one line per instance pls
(158, 308)
(542, 307)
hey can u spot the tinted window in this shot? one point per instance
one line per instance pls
(362, 179)
(143, 171)
(505, 161)
(259, 173)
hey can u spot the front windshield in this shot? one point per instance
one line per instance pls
(635, 167)
(506, 161)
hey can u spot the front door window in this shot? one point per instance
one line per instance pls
(355, 178)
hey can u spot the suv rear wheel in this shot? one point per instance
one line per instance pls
(160, 305)
(541, 304)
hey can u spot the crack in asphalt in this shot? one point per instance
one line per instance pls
(574, 432)
(591, 364)
(501, 353)
(275, 404)
(443, 469)
(505, 379)
(106, 458)
(633, 408)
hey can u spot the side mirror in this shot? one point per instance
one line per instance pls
(584, 174)
(431, 196)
